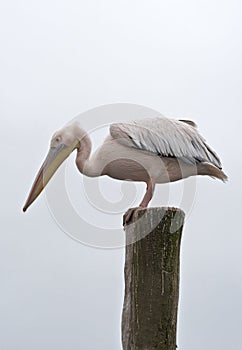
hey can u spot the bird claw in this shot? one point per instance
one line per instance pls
(129, 216)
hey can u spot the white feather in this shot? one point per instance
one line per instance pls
(166, 137)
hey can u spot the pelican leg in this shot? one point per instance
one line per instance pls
(128, 216)
(148, 194)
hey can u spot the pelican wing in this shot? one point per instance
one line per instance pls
(167, 138)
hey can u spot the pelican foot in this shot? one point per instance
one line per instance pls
(129, 215)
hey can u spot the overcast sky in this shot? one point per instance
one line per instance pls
(61, 58)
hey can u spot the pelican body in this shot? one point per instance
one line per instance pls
(153, 150)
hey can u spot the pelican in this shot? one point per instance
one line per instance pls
(153, 150)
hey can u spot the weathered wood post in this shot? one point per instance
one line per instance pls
(152, 262)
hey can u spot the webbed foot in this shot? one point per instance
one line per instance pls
(129, 215)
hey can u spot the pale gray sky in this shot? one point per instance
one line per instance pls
(61, 58)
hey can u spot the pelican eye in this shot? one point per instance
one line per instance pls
(58, 139)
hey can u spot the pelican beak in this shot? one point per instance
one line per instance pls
(54, 159)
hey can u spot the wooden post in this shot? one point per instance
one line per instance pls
(152, 262)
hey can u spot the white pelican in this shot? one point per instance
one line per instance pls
(155, 150)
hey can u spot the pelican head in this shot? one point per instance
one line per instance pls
(62, 144)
